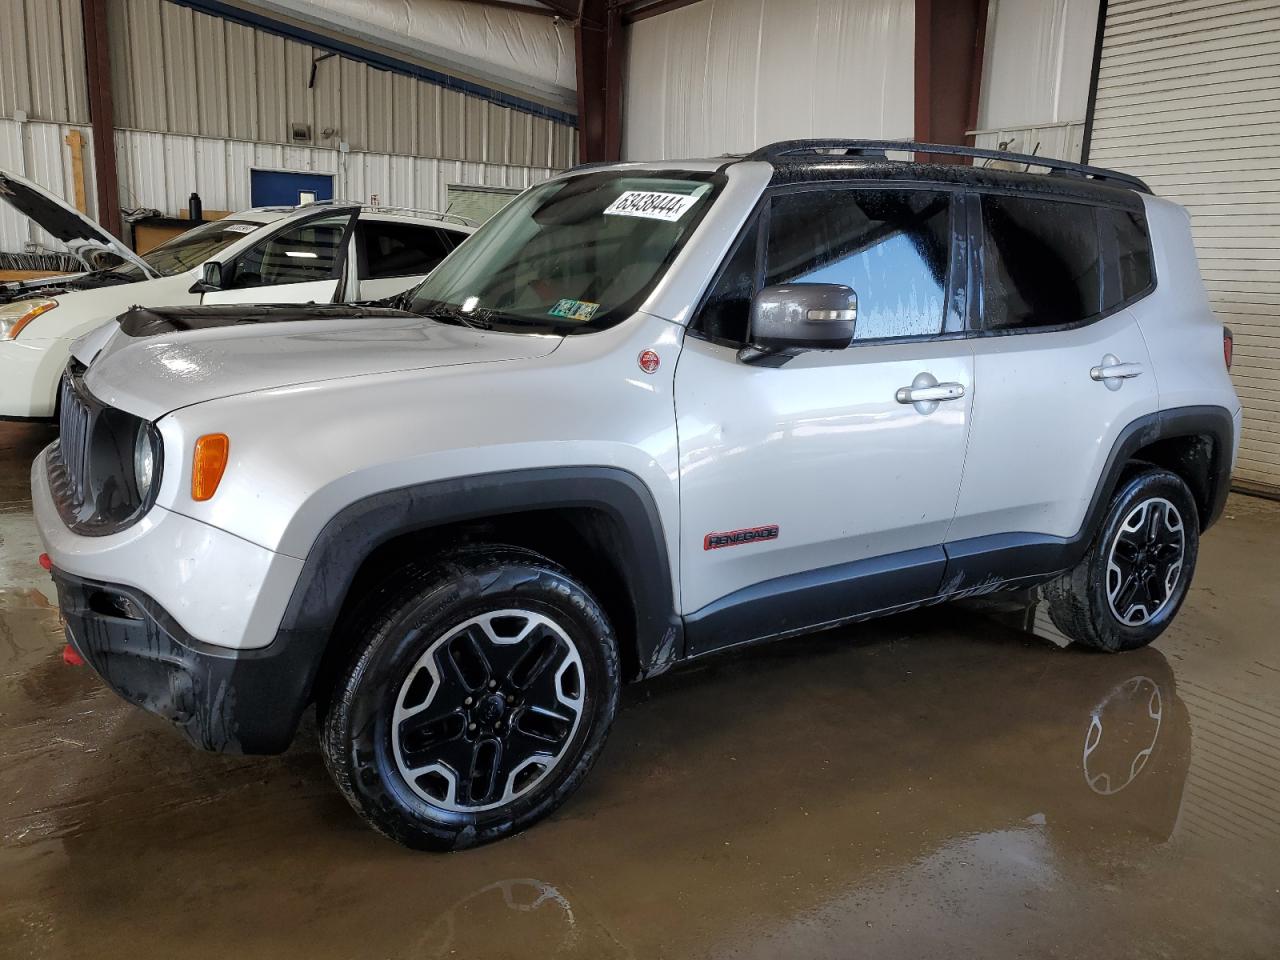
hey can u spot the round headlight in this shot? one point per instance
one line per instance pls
(144, 461)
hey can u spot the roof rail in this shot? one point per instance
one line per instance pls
(880, 148)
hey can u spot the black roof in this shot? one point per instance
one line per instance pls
(805, 161)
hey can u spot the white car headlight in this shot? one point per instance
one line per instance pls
(15, 316)
(144, 461)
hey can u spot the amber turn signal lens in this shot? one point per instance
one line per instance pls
(208, 465)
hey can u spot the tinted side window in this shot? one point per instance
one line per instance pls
(891, 246)
(402, 249)
(1133, 246)
(308, 252)
(727, 308)
(1040, 263)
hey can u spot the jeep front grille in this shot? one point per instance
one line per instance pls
(90, 468)
(73, 439)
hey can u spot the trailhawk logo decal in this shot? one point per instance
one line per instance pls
(736, 538)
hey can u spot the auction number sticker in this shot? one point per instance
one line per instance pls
(651, 205)
(241, 227)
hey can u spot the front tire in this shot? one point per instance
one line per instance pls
(1131, 583)
(479, 692)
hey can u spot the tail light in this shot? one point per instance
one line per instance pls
(1228, 345)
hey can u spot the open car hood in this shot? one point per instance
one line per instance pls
(83, 237)
(154, 360)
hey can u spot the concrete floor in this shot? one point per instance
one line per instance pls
(935, 785)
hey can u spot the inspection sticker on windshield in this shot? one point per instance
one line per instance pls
(574, 309)
(650, 205)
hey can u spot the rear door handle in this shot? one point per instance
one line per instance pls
(1112, 368)
(933, 392)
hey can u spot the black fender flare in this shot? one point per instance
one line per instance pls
(354, 533)
(1005, 560)
(1209, 421)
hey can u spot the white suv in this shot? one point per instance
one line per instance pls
(646, 413)
(319, 253)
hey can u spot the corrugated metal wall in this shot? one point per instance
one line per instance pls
(42, 70)
(38, 151)
(1187, 100)
(178, 71)
(1036, 68)
(200, 101)
(160, 171)
(1065, 141)
(730, 75)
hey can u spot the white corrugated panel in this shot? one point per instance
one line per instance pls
(524, 54)
(1036, 68)
(175, 70)
(42, 70)
(39, 152)
(1063, 141)
(160, 171)
(1187, 100)
(478, 203)
(730, 75)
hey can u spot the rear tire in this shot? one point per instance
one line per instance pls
(1131, 583)
(477, 696)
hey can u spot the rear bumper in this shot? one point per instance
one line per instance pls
(246, 701)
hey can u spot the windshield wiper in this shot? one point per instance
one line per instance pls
(477, 319)
(483, 318)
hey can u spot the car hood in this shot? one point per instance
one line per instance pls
(83, 237)
(149, 370)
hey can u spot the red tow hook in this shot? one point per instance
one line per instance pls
(46, 563)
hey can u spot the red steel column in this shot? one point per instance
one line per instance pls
(101, 113)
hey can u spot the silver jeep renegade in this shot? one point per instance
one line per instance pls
(645, 413)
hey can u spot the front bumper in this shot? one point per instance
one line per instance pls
(222, 700)
(184, 620)
(30, 368)
(220, 589)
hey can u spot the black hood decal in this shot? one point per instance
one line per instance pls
(150, 321)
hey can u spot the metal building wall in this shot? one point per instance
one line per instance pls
(159, 171)
(42, 72)
(178, 71)
(729, 75)
(1035, 83)
(1187, 100)
(39, 152)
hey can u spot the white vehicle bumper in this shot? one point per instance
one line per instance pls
(30, 368)
(180, 618)
(219, 589)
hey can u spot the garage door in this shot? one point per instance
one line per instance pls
(1187, 93)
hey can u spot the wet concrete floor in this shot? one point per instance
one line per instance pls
(935, 785)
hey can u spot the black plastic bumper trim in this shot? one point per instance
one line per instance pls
(223, 700)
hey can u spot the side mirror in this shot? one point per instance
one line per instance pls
(210, 278)
(789, 318)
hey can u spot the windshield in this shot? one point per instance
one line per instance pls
(569, 256)
(190, 249)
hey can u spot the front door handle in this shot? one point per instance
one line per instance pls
(1112, 370)
(925, 393)
(939, 391)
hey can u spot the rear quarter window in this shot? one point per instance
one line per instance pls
(1041, 263)
(1133, 251)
